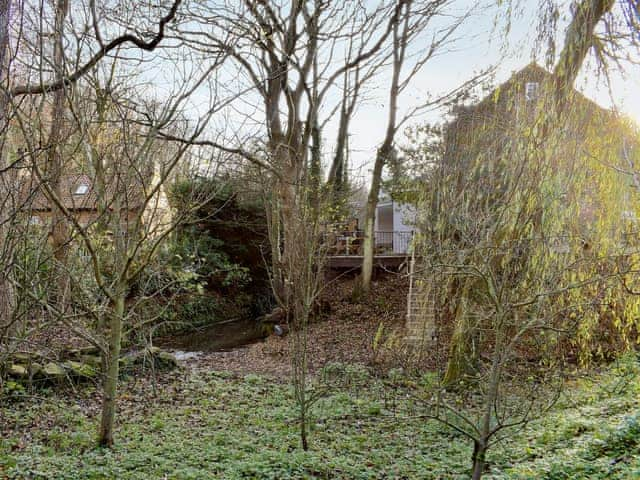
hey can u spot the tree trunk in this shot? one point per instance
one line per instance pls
(123, 231)
(112, 364)
(337, 172)
(479, 455)
(303, 434)
(288, 209)
(54, 167)
(462, 352)
(315, 169)
(481, 444)
(7, 296)
(368, 247)
(578, 40)
(385, 151)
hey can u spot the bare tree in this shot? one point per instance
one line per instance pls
(130, 207)
(54, 165)
(128, 168)
(414, 20)
(504, 263)
(290, 56)
(353, 84)
(32, 64)
(100, 49)
(112, 139)
(6, 185)
(498, 234)
(290, 64)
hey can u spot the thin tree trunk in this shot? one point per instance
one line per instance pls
(315, 170)
(300, 367)
(338, 179)
(288, 206)
(336, 176)
(479, 459)
(110, 387)
(385, 151)
(5, 11)
(481, 444)
(370, 218)
(578, 40)
(303, 433)
(315, 167)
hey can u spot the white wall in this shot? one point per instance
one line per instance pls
(399, 218)
(404, 218)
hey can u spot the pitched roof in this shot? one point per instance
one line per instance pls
(501, 97)
(78, 194)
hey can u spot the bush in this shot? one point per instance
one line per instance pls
(212, 269)
(191, 311)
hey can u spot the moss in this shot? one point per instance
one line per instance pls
(53, 371)
(19, 371)
(80, 369)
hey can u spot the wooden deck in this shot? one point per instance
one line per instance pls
(345, 243)
(386, 261)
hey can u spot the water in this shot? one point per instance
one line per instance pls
(217, 338)
(184, 356)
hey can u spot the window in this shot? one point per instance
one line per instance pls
(531, 91)
(81, 189)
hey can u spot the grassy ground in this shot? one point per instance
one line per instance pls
(214, 425)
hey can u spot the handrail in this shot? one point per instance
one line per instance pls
(350, 242)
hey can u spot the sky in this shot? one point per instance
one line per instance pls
(482, 45)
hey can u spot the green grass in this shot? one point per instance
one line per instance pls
(215, 426)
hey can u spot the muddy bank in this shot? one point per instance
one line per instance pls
(222, 336)
(345, 335)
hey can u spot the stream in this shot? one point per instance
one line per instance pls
(215, 338)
